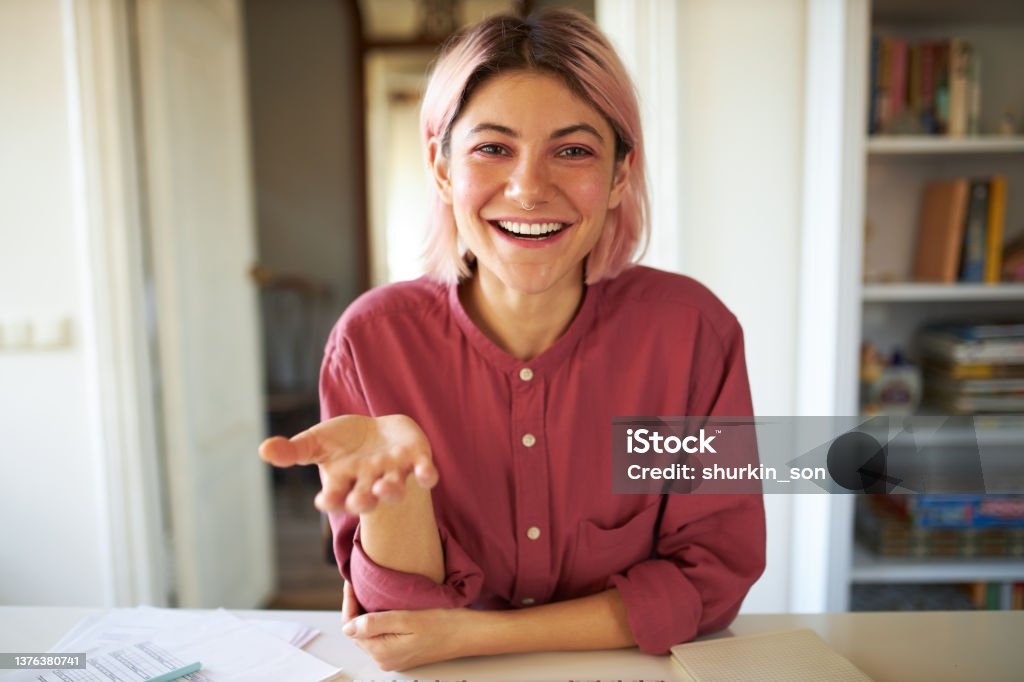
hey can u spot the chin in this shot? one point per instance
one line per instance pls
(531, 279)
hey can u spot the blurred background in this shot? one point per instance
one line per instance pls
(192, 192)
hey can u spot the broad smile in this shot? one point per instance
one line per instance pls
(531, 231)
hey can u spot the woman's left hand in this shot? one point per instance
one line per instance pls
(398, 640)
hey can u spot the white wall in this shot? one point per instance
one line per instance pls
(732, 153)
(52, 542)
(742, 146)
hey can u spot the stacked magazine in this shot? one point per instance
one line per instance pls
(974, 368)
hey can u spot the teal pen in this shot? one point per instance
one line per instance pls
(178, 672)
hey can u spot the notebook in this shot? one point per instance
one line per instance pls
(785, 656)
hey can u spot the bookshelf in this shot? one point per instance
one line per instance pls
(871, 569)
(886, 306)
(914, 292)
(938, 146)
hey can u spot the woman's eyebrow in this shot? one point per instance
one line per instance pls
(504, 130)
(579, 127)
(561, 132)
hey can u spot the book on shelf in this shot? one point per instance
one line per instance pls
(949, 511)
(972, 259)
(940, 231)
(960, 231)
(960, 54)
(979, 594)
(994, 600)
(989, 595)
(923, 87)
(885, 525)
(898, 80)
(996, 225)
(966, 511)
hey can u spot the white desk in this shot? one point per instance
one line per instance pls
(887, 646)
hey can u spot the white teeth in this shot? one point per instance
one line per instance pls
(530, 228)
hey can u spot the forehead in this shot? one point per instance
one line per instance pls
(527, 101)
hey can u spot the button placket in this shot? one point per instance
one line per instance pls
(531, 487)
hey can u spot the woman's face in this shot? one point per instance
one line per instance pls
(524, 139)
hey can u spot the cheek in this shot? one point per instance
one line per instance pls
(467, 195)
(594, 195)
(589, 191)
(471, 187)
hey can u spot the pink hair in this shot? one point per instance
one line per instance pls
(568, 45)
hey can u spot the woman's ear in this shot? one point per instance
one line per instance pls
(440, 169)
(620, 179)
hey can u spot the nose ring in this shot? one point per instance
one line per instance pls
(526, 206)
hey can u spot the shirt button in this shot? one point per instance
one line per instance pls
(529, 440)
(533, 532)
(526, 374)
(527, 602)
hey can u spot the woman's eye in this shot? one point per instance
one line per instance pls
(492, 149)
(574, 152)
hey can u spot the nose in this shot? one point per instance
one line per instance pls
(529, 182)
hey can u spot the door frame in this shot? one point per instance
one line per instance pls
(118, 320)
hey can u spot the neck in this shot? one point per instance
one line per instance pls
(522, 324)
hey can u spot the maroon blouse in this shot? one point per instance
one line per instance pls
(524, 504)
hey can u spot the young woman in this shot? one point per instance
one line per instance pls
(492, 383)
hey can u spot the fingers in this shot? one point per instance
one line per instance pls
(336, 487)
(319, 443)
(360, 492)
(363, 460)
(426, 472)
(371, 625)
(390, 487)
(305, 448)
(349, 604)
(278, 451)
(330, 500)
(361, 500)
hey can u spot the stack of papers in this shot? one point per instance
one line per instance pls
(135, 645)
(786, 656)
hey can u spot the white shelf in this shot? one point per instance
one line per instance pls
(938, 145)
(869, 568)
(910, 292)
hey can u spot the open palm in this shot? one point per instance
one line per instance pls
(362, 460)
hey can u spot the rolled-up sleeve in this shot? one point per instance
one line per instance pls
(378, 588)
(709, 558)
(710, 548)
(383, 589)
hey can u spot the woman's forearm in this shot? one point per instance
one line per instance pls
(594, 622)
(403, 535)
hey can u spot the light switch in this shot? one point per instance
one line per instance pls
(39, 334)
(51, 333)
(16, 334)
